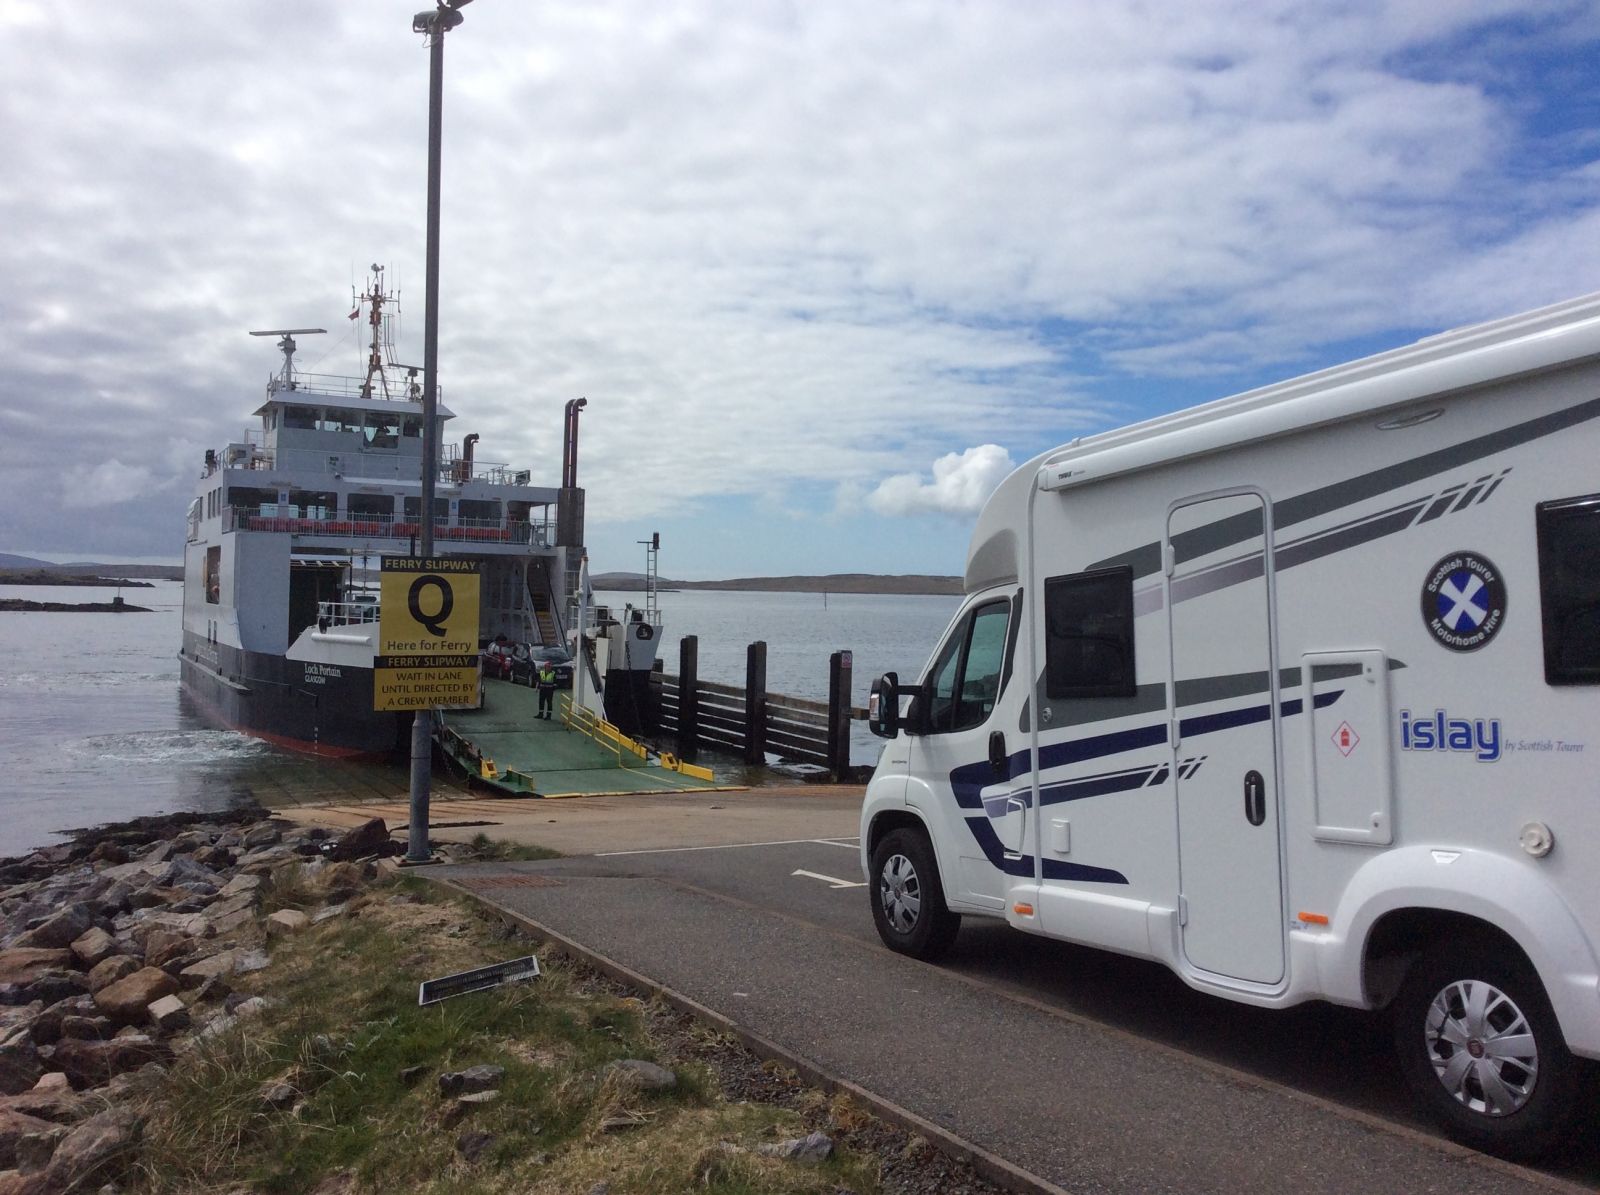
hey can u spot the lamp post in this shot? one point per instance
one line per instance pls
(433, 24)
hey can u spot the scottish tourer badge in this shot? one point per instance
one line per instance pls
(1464, 601)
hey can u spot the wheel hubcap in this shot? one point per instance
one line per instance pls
(1482, 1047)
(900, 893)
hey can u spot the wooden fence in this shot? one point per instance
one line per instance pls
(750, 722)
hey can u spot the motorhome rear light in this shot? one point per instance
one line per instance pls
(1312, 918)
(1022, 910)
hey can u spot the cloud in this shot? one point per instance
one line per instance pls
(782, 249)
(962, 482)
(85, 487)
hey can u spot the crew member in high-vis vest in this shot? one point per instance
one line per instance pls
(547, 689)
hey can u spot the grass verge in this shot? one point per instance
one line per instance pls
(343, 1032)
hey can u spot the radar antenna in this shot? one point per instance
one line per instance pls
(286, 346)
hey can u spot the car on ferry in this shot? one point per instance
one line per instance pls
(527, 657)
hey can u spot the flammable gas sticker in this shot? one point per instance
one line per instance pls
(1464, 601)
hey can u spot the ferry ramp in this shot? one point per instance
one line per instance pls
(506, 747)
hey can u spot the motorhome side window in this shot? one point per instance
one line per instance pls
(965, 680)
(1569, 589)
(1089, 634)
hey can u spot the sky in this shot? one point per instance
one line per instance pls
(825, 271)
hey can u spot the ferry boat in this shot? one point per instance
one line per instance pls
(289, 526)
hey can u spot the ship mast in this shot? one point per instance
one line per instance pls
(379, 349)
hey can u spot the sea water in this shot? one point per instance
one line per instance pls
(94, 727)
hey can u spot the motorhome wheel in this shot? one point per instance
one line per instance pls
(907, 898)
(1479, 1043)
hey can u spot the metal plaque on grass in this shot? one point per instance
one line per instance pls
(479, 979)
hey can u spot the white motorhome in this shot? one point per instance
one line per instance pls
(1297, 692)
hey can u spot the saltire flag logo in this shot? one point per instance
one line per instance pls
(1464, 601)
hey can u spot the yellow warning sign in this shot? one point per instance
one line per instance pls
(427, 634)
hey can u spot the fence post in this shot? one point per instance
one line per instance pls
(839, 664)
(688, 697)
(755, 703)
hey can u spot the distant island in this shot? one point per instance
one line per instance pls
(910, 583)
(27, 570)
(36, 577)
(115, 606)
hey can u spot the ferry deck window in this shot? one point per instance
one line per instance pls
(1569, 589)
(1089, 634)
(476, 512)
(368, 505)
(300, 417)
(966, 676)
(213, 575)
(441, 509)
(411, 427)
(383, 431)
(313, 504)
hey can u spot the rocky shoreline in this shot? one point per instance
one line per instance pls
(116, 951)
(115, 606)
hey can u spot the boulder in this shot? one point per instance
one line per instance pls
(19, 1066)
(252, 1007)
(812, 1149)
(58, 1107)
(214, 857)
(91, 1063)
(369, 838)
(470, 1145)
(278, 1096)
(286, 921)
(21, 964)
(60, 929)
(168, 1014)
(108, 972)
(36, 1149)
(241, 884)
(251, 960)
(108, 851)
(85, 1028)
(54, 1081)
(14, 1126)
(214, 967)
(114, 900)
(646, 1075)
(54, 986)
(102, 1147)
(93, 946)
(473, 1079)
(164, 945)
(127, 999)
(265, 834)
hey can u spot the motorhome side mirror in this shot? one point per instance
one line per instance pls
(883, 706)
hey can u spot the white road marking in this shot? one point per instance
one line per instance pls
(849, 844)
(726, 846)
(831, 881)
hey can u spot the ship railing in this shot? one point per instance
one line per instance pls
(345, 614)
(299, 521)
(332, 385)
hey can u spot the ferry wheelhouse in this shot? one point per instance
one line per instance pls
(289, 526)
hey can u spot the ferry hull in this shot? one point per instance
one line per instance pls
(303, 707)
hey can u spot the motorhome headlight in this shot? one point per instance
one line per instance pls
(1537, 839)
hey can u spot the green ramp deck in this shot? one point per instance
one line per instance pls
(545, 759)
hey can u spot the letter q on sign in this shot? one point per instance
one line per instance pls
(433, 623)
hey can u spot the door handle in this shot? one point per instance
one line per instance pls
(998, 759)
(1255, 798)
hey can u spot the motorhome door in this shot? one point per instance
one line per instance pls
(1225, 710)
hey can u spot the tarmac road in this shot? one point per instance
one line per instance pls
(1096, 1072)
